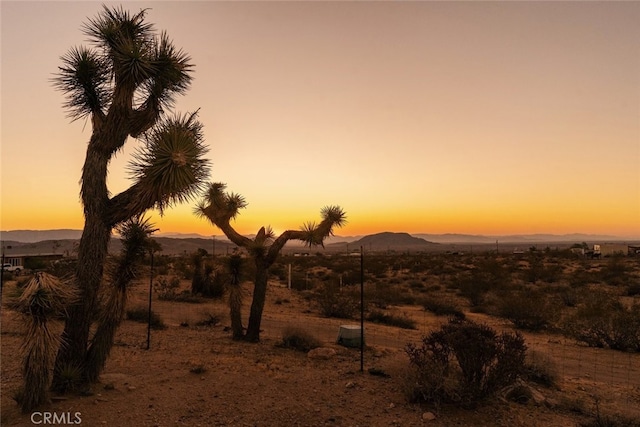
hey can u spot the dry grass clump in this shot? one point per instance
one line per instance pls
(141, 314)
(399, 320)
(299, 339)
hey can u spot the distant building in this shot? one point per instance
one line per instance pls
(608, 249)
(27, 256)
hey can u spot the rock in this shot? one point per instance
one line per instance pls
(428, 416)
(522, 393)
(538, 398)
(350, 384)
(321, 353)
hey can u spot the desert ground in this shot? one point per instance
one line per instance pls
(194, 374)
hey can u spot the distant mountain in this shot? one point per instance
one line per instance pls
(184, 236)
(381, 241)
(389, 240)
(32, 236)
(517, 238)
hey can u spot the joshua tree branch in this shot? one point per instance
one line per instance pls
(279, 243)
(127, 204)
(232, 234)
(143, 119)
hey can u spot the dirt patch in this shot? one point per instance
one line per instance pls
(198, 376)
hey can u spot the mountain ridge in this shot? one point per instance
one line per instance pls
(33, 236)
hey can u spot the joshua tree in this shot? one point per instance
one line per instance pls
(124, 83)
(42, 300)
(221, 207)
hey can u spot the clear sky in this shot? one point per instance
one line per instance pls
(434, 117)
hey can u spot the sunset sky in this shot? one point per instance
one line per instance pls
(422, 117)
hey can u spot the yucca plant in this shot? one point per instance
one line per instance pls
(44, 298)
(220, 207)
(135, 243)
(124, 83)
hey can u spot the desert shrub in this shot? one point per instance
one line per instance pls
(377, 266)
(384, 294)
(208, 319)
(442, 308)
(336, 302)
(140, 314)
(476, 284)
(568, 296)
(602, 321)
(535, 268)
(399, 320)
(465, 362)
(614, 272)
(581, 277)
(299, 339)
(551, 273)
(166, 288)
(530, 310)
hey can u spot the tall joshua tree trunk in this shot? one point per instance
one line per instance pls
(259, 297)
(235, 296)
(92, 252)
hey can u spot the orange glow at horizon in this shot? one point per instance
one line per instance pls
(383, 108)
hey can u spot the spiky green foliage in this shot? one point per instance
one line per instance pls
(135, 243)
(124, 82)
(44, 298)
(169, 168)
(220, 207)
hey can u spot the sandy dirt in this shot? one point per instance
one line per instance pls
(196, 375)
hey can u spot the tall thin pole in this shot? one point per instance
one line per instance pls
(361, 309)
(150, 293)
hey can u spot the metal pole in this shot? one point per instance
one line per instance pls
(150, 294)
(361, 309)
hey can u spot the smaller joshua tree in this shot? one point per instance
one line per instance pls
(221, 207)
(43, 300)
